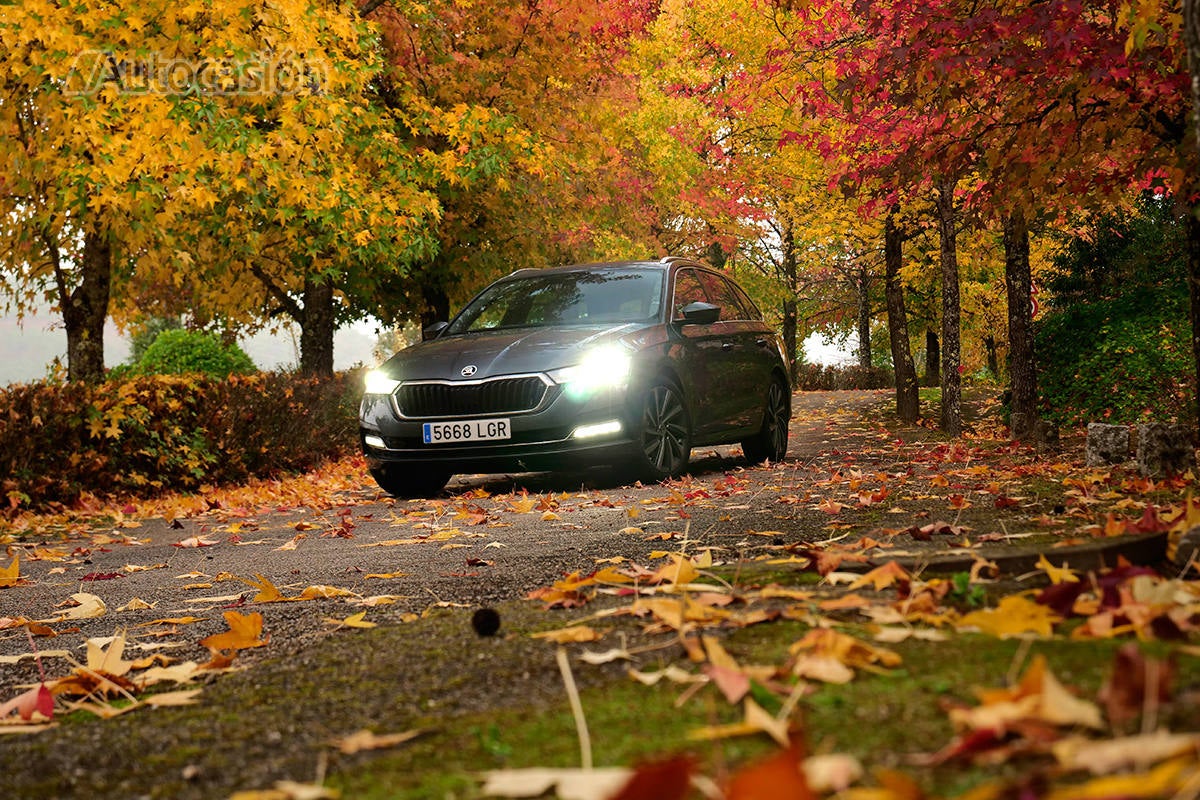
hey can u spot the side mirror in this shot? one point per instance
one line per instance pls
(434, 331)
(700, 314)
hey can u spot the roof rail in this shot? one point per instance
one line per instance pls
(673, 259)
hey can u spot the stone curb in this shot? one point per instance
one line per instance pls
(1147, 549)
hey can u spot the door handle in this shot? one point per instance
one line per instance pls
(762, 342)
(726, 345)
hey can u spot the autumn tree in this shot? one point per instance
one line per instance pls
(227, 155)
(92, 156)
(524, 106)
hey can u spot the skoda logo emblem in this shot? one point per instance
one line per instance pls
(468, 370)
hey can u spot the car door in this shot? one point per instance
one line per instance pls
(742, 364)
(699, 356)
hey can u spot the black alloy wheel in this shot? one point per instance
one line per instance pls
(771, 442)
(665, 444)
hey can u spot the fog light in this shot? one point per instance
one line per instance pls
(601, 429)
(375, 441)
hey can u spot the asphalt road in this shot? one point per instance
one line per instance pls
(485, 540)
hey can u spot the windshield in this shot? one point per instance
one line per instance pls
(596, 297)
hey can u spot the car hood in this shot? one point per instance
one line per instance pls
(493, 353)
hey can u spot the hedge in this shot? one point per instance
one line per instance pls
(145, 435)
(818, 377)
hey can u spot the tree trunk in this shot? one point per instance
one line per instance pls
(437, 305)
(790, 324)
(1191, 38)
(908, 400)
(1193, 264)
(85, 309)
(933, 358)
(951, 377)
(317, 327)
(1022, 365)
(863, 284)
(993, 361)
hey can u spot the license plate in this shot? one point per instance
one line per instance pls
(475, 430)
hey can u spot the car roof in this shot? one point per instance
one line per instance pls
(663, 263)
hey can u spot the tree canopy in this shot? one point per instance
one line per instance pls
(242, 161)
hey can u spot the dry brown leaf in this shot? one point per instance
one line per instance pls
(575, 633)
(362, 740)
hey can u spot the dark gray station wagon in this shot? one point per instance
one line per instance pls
(627, 364)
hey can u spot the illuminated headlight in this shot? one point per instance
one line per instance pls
(375, 441)
(605, 367)
(375, 382)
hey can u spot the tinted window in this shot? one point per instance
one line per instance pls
(565, 298)
(729, 296)
(687, 291)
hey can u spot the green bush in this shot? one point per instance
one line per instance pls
(183, 352)
(1120, 360)
(1115, 343)
(146, 435)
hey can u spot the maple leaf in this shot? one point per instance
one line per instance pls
(830, 506)
(245, 631)
(1056, 574)
(882, 577)
(267, 591)
(1014, 615)
(11, 575)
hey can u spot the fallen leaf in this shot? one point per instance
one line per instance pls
(575, 633)
(86, 606)
(362, 740)
(1124, 753)
(182, 697)
(569, 784)
(196, 541)
(11, 575)
(245, 631)
(352, 621)
(1014, 615)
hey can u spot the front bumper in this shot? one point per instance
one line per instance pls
(541, 439)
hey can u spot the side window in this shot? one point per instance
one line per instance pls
(747, 305)
(724, 295)
(687, 291)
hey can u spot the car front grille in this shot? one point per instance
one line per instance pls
(499, 396)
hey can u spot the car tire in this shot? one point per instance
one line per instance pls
(771, 441)
(407, 482)
(664, 433)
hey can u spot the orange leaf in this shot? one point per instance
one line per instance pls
(11, 575)
(245, 631)
(780, 777)
(882, 577)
